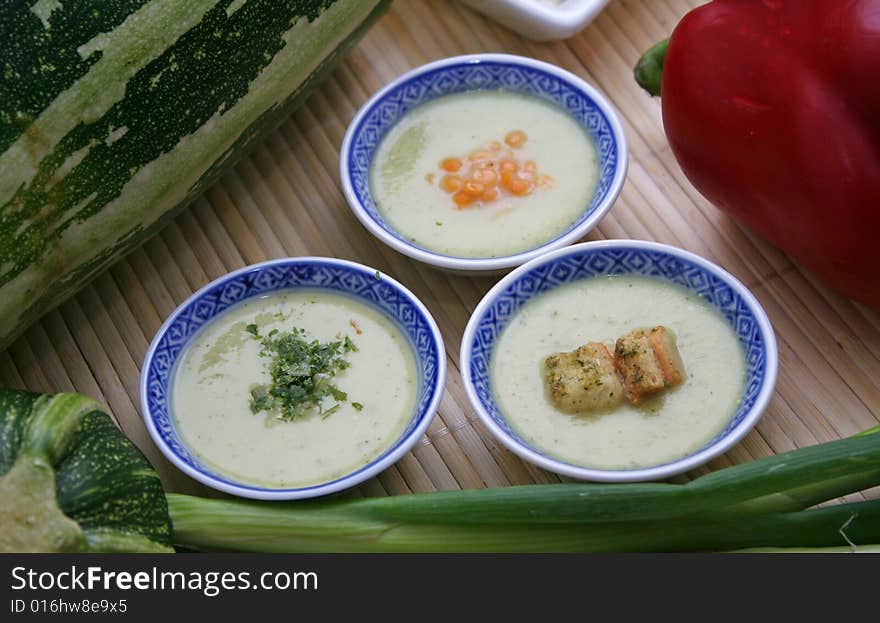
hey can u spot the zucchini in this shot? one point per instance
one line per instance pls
(116, 113)
(71, 482)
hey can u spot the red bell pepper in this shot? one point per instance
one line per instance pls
(772, 109)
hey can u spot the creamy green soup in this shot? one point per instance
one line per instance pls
(664, 429)
(406, 181)
(214, 377)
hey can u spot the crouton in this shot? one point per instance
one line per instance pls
(666, 352)
(584, 380)
(634, 359)
(649, 362)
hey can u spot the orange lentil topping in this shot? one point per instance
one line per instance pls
(520, 187)
(516, 138)
(451, 164)
(463, 199)
(491, 173)
(473, 188)
(450, 183)
(490, 194)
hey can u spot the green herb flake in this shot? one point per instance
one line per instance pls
(330, 411)
(301, 372)
(357, 406)
(377, 275)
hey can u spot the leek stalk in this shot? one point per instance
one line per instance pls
(259, 527)
(754, 504)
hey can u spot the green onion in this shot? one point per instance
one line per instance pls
(261, 527)
(749, 505)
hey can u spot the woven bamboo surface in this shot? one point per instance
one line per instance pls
(285, 200)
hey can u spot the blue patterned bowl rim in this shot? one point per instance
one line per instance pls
(368, 285)
(713, 284)
(444, 77)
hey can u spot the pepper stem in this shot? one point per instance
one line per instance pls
(649, 70)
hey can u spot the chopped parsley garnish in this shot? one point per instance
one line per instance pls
(357, 406)
(302, 372)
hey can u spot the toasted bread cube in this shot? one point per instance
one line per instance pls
(666, 352)
(584, 380)
(649, 362)
(642, 375)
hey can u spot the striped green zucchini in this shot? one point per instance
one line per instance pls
(70, 481)
(113, 113)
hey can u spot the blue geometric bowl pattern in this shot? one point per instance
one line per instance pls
(595, 262)
(472, 76)
(357, 282)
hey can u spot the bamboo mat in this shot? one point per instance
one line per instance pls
(285, 200)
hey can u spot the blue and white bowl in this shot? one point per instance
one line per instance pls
(621, 257)
(365, 284)
(470, 73)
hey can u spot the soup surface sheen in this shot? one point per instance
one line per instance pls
(211, 392)
(602, 309)
(455, 126)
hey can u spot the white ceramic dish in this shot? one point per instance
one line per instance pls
(367, 285)
(742, 312)
(541, 20)
(459, 74)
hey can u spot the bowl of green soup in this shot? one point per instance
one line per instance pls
(483, 162)
(619, 360)
(293, 378)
